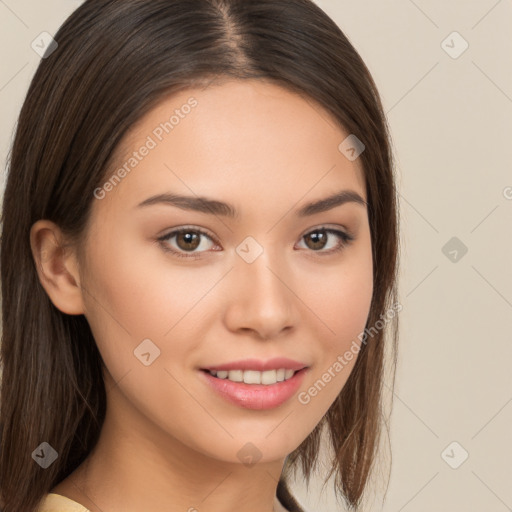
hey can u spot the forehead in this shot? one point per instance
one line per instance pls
(247, 139)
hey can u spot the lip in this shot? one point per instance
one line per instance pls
(256, 364)
(256, 396)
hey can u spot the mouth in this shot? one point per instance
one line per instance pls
(251, 389)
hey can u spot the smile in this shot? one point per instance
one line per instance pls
(263, 389)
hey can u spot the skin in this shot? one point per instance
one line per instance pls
(169, 442)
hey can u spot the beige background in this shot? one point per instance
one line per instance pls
(451, 121)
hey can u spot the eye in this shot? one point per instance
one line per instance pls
(187, 239)
(318, 239)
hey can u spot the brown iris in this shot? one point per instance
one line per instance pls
(319, 238)
(190, 240)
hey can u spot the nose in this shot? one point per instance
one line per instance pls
(261, 298)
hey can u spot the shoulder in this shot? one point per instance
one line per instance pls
(52, 502)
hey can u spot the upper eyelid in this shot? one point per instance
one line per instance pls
(177, 230)
(214, 238)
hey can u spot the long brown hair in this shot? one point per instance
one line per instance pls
(115, 60)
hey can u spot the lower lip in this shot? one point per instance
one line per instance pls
(256, 396)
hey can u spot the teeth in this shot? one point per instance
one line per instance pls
(254, 377)
(288, 374)
(235, 375)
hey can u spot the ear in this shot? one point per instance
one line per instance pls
(57, 267)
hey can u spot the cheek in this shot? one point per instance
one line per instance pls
(340, 307)
(136, 293)
(340, 297)
(139, 290)
(348, 306)
(343, 310)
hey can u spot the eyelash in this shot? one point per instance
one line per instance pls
(346, 239)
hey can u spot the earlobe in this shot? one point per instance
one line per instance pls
(56, 267)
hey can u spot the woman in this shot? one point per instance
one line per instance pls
(199, 261)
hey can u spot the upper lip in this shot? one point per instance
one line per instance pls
(256, 364)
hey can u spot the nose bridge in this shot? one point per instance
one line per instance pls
(261, 299)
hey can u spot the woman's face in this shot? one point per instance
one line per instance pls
(263, 283)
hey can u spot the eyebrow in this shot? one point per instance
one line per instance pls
(206, 205)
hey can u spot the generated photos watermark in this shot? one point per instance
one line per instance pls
(152, 140)
(343, 360)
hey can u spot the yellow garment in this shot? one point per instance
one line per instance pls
(56, 503)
